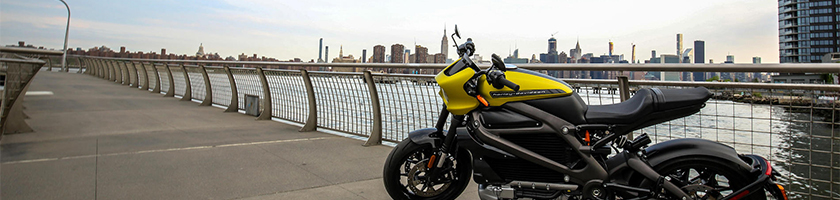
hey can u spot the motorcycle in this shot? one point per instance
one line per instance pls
(521, 134)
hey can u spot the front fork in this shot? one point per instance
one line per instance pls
(448, 146)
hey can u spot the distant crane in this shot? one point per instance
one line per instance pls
(552, 35)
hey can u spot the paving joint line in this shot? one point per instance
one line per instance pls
(165, 150)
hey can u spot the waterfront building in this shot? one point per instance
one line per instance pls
(699, 57)
(808, 30)
(378, 54)
(397, 54)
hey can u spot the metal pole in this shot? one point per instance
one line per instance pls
(66, 33)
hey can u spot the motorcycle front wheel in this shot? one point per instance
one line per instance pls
(405, 173)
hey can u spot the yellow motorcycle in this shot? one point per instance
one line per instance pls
(522, 134)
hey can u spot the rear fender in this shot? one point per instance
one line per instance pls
(674, 149)
(677, 148)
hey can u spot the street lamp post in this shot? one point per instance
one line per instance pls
(66, 33)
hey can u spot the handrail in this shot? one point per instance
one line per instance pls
(30, 51)
(670, 67)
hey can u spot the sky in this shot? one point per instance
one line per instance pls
(287, 29)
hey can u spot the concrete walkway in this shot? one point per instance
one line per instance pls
(99, 140)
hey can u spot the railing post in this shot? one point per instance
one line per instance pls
(171, 91)
(135, 74)
(156, 89)
(312, 121)
(145, 85)
(624, 94)
(119, 71)
(187, 86)
(113, 71)
(376, 131)
(105, 69)
(234, 95)
(125, 73)
(266, 103)
(49, 63)
(623, 88)
(79, 59)
(208, 92)
(98, 67)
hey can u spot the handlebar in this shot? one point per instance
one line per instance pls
(509, 84)
(497, 79)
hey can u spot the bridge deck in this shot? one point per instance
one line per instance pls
(94, 139)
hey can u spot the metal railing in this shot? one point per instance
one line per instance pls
(794, 125)
(18, 66)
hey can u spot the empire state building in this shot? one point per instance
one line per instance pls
(444, 46)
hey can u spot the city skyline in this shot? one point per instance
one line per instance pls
(232, 28)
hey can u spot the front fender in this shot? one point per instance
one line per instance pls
(677, 148)
(422, 136)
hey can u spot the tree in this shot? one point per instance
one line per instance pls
(714, 78)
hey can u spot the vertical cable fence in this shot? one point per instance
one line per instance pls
(343, 102)
(408, 102)
(163, 73)
(247, 83)
(288, 93)
(178, 77)
(220, 85)
(196, 81)
(142, 74)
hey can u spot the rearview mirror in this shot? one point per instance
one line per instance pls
(456, 31)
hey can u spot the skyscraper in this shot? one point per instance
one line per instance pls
(444, 45)
(699, 57)
(421, 54)
(320, 47)
(807, 30)
(551, 55)
(364, 55)
(378, 54)
(611, 48)
(326, 53)
(397, 53)
(680, 46)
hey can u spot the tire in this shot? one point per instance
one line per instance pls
(699, 169)
(409, 155)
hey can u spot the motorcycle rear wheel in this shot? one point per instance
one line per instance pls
(705, 177)
(405, 169)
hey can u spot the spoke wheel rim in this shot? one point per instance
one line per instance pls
(414, 179)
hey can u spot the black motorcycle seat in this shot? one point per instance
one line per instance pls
(646, 101)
